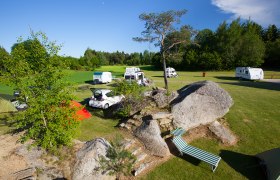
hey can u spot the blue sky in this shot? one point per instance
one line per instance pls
(110, 25)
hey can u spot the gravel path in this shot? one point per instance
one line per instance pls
(10, 162)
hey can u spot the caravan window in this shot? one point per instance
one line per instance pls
(129, 77)
(246, 72)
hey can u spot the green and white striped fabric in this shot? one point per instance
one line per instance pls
(202, 155)
(178, 132)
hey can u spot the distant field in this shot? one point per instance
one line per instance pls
(254, 118)
(86, 76)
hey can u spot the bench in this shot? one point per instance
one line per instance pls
(202, 155)
(178, 132)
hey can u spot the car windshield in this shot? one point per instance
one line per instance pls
(110, 94)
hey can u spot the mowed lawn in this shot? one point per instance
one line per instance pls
(254, 118)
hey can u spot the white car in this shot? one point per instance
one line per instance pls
(104, 98)
(19, 106)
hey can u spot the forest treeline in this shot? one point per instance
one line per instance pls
(230, 45)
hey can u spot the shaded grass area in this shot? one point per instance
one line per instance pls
(5, 125)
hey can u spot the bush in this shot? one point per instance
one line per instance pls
(118, 161)
(133, 97)
(129, 88)
(49, 119)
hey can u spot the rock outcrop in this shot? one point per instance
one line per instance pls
(162, 98)
(223, 133)
(87, 164)
(149, 133)
(200, 103)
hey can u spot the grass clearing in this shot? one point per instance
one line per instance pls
(97, 127)
(254, 118)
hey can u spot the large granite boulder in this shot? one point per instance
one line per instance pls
(149, 134)
(87, 163)
(200, 103)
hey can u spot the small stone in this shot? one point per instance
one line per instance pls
(127, 126)
(148, 93)
(128, 143)
(161, 115)
(133, 122)
(25, 174)
(137, 117)
(164, 121)
(136, 151)
(141, 168)
(141, 157)
(122, 125)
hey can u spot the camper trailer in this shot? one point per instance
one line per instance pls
(132, 69)
(171, 72)
(133, 73)
(102, 77)
(249, 73)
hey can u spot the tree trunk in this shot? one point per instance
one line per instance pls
(164, 71)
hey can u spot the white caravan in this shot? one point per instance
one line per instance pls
(249, 73)
(102, 77)
(133, 73)
(171, 72)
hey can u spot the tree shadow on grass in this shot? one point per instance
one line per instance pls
(229, 78)
(7, 96)
(150, 68)
(84, 102)
(91, 82)
(4, 118)
(256, 84)
(158, 76)
(246, 165)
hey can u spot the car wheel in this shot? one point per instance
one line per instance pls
(106, 106)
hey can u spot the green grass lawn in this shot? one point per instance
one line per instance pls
(5, 89)
(254, 118)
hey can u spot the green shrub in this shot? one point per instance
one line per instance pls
(34, 69)
(129, 88)
(118, 161)
(133, 96)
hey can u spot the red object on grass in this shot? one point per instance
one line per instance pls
(82, 113)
